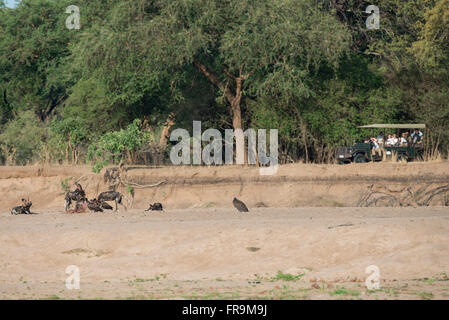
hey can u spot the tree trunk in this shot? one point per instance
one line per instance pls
(234, 99)
(237, 124)
(76, 155)
(129, 156)
(304, 138)
(166, 130)
(71, 151)
(67, 155)
(235, 105)
(163, 140)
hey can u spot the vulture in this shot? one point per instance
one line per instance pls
(239, 205)
(98, 205)
(105, 205)
(94, 205)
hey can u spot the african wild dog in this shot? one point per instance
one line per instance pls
(79, 195)
(113, 196)
(23, 209)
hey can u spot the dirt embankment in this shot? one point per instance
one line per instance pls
(295, 185)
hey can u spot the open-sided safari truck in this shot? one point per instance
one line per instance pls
(363, 151)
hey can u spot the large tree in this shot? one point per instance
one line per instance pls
(309, 68)
(33, 45)
(242, 47)
(245, 46)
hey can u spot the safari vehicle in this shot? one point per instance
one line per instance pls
(363, 151)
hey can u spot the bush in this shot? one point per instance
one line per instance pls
(117, 145)
(65, 139)
(22, 139)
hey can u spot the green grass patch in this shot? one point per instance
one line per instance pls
(424, 295)
(280, 276)
(344, 291)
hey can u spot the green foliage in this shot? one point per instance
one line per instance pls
(22, 139)
(287, 277)
(98, 165)
(310, 69)
(33, 45)
(129, 189)
(117, 145)
(344, 291)
(65, 184)
(432, 49)
(65, 138)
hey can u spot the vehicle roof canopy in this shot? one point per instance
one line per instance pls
(394, 126)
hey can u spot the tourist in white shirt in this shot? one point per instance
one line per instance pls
(375, 147)
(380, 139)
(403, 140)
(395, 140)
(390, 141)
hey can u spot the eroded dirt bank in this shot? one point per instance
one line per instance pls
(214, 187)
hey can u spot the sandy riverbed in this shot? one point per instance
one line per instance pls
(219, 253)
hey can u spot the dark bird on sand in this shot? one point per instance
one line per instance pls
(155, 207)
(98, 205)
(105, 205)
(94, 205)
(239, 205)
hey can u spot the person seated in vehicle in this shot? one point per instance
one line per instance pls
(417, 137)
(390, 141)
(409, 138)
(403, 140)
(395, 140)
(380, 139)
(375, 149)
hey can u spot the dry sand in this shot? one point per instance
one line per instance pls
(216, 253)
(208, 250)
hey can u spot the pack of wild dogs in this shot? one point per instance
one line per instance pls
(83, 205)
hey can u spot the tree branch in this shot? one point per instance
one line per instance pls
(246, 76)
(226, 70)
(214, 79)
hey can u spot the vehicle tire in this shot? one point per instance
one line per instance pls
(359, 158)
